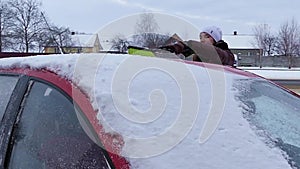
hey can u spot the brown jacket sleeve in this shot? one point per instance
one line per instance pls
(210, 53)
(226, 56)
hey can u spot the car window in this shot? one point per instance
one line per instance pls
(49, 134)
(275, 113)
(7, 85)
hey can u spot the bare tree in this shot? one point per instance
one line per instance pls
(5, 25)
(146, 30)
(120, 43)
(289, 39)
(288, 44)
(264, 39)
(54, 36)
(28, 24)
(146, 24)
(59, 37)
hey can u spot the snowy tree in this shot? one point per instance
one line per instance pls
(146, 30)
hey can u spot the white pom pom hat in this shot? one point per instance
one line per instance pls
(214, 32)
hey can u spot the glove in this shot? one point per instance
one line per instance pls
(176, 47)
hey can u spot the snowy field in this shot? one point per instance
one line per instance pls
(275, 73)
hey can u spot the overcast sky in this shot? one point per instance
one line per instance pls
(91, 16)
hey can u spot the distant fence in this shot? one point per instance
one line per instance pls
(268, 61)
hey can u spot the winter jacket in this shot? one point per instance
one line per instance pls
(219, 53)
(226, 57)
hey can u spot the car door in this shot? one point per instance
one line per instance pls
(42, 127)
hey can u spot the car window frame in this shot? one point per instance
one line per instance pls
(10, 114)
(31, 82)
(79, 100)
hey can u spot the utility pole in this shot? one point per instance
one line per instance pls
(58, 45)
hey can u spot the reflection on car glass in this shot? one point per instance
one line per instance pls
(48, 91)
(292, 151)
(49, 134)
(7, 85)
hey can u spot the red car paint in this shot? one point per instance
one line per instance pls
(83, 102)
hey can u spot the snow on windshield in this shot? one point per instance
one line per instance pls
(181, 103)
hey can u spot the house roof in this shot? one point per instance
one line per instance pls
(173, 38)
(106, 43)
(240, 41)
(84, 40)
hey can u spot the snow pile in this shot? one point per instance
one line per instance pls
(170, 115)
(64, 66)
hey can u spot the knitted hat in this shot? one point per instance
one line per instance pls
(214, 32)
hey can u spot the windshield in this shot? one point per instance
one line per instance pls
(274, 114)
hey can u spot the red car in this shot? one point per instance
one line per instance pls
(123, 111)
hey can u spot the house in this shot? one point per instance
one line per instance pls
(81, 43)
(173, 39)
(242, 45)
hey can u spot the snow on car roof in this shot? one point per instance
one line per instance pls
(170, 114)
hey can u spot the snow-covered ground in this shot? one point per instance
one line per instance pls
(275, 73)
(167, 112)
(289, 78)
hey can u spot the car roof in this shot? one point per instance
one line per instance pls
(54, 61)
(178, 97)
